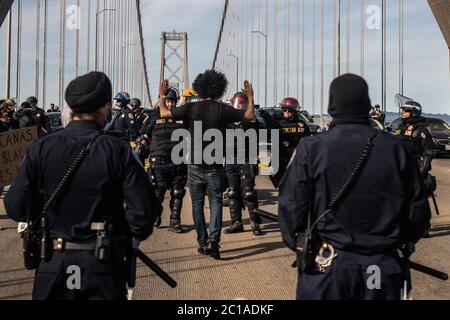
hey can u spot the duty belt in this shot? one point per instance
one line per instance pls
(160, 161)
(61, 245)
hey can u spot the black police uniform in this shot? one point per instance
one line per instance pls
(123, 123)
(386, 207)
(166, 174)
(33, 117)
(241, 182)
(416, 135)
(292, 130)
(138, 123)
(108, 177)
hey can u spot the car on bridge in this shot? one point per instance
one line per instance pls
(440, 131)
(55, 121)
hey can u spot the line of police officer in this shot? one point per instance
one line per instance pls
(28, 115)
(122, 179)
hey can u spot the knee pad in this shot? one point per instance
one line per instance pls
(233, 194)
(250, 195)
(179, 193)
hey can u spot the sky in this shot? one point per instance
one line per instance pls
(426, 54)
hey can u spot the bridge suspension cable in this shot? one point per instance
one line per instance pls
(115, 48)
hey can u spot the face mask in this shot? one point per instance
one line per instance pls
(109, 121)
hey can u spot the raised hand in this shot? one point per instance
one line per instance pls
(163, 88)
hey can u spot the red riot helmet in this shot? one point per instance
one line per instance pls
(239, 101)
(290, 104)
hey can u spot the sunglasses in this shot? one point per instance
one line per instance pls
(287, 111)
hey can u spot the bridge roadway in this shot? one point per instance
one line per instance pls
(251, 267)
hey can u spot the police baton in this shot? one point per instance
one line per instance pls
(267, 215)
(155, 268)
(413, 265)
(428, 271)
(435, 203)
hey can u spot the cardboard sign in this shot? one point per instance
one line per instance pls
(13, 147)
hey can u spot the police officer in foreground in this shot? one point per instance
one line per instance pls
(166, 174)
(240, 176)
(358, 193)
(292, 129)
(87, 225)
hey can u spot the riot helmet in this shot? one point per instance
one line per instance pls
(135, 103)
(122, 99)
(290, 104)
(240, 101)
(414, 107)
(32, 101)
(172, 94)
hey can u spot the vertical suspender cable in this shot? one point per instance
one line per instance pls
(303, 52)
(38, 25)
(348, 37)
(297, 91)
(285, 50)
(334, 38)
(246, 31)
(362, 71)
(401, 46)
(275, 54)
(322, 26)
(266, 63)
(61, 28)
(88, 47)
(44, 75)
(8, 56)
(259, 53)
(104, 36)
(339, 38)
(19, 50)
(383, 46)
(313, 84)
(77, 43)
(63, 53)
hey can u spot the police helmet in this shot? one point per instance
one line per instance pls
(290, 104)
(32, 100)
(123, 97)
(135, 103)
(25, 105)
(414, 107)
(239, 101)
(172, 94)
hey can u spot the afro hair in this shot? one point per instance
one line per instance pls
(210, 84)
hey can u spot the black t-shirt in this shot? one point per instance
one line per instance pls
(205, 115)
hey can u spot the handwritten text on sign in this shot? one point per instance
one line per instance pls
(13, 147)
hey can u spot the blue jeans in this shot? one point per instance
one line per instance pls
(200, 180)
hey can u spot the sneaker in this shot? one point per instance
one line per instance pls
(213, 250)
(157, 222)
(175, 228)
(256, 229)
(236, 227)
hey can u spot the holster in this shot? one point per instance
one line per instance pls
(430, 184)
(308, 245)
(31, 254)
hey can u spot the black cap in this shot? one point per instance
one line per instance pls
(89, 92)
(349, 97)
